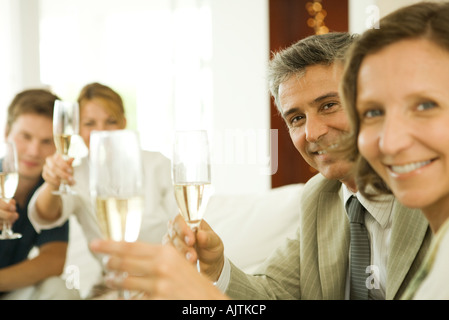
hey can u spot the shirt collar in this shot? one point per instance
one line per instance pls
(380, 210)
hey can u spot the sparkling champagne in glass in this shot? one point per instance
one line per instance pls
(65, 125)
(116, 185)
(9, 179)
(191, 173)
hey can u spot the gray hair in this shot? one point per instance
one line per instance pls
(322, 49)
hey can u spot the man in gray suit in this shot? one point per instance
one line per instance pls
(304, 81)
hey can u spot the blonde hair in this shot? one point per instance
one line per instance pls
(112, 99)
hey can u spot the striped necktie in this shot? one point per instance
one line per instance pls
(360, 250)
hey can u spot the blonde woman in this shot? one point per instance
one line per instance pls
(101, 108)
(396, 89)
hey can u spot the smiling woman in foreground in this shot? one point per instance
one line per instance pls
(396, 89)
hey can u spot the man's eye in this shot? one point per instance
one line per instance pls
(295, 120)
(426, 105)
(26, 136)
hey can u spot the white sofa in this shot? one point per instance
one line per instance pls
(251, 227)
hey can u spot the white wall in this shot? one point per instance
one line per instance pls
(240, 50)
(19, 56)
(359, 14)
(241, 99)
(363, 12)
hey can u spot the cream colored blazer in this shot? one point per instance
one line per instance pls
(314, 264)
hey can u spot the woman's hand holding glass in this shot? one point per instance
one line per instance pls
(58, 169)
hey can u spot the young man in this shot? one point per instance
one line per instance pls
(304, 81)
(30, 126)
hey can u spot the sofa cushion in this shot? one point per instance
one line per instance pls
(253, 225)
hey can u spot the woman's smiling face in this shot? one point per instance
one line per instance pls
(97, 114)
(403, 106)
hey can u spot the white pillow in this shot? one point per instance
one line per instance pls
(252, 226)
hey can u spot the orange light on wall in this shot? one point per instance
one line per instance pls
(318, 14)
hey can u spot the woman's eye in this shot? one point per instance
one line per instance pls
(329, 105)
(372, 113)
(426, 105)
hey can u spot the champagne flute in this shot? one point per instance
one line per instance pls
(191, 175)
(65, 125)
(116, 186)
(9, 179)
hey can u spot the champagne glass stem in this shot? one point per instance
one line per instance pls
(123, 294)
(195, 232)
(7, 232)
(6, 229)
(198, 265)
(64, 187)
(117, 278)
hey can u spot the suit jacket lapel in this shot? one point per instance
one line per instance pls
(332, 244)
(409, 228)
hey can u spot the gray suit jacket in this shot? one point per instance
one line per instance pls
(314, 264)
